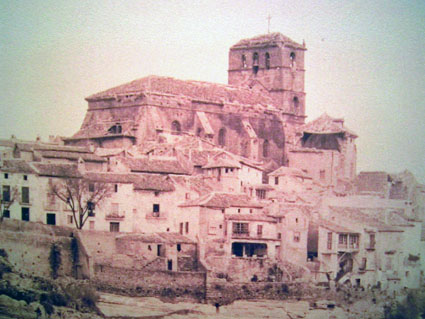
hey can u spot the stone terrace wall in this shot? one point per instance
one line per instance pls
(150, 283)
(28, 246)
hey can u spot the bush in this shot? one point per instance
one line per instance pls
(3, 253)
(55, 260)
(82, 295)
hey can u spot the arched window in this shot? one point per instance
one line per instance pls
(266, 148)
(222, 137)
(255, 62)
(175, 127)
(267, 60)
(292, 56)
(115, 129)
(296, 104)
(243, 61)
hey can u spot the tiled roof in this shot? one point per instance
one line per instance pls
(72, 156)
(152, 182)
(223, 200)
(253, 217)
(161, 237)
(222, 162)
(16, 166)
(57, 170)
(156, 165)
(269, 39)
(335, 227)
(325, 124)
(38, 145)
(194, 90)
(155, 182)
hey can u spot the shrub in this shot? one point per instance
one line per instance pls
(3, 253)
(55, 260)
(82, 295)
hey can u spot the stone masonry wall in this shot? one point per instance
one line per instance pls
(28, 246)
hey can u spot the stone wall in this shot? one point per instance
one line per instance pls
(28, 246)
(150, 283)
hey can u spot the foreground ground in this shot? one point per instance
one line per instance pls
(114, 306)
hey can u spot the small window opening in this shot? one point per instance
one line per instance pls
(267, 60)
(292, 56)
(276, 180)
(187, 227)
(6, 175)
(116, 188)
(179, 247)
(155, 210)
(199, 131)
(91, 187)
(25, 177)
(115, 129)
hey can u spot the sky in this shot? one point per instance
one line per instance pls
(365, 61)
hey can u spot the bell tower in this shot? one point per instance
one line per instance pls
(275, 63)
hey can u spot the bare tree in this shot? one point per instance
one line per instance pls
(81, 196)
(7, 197)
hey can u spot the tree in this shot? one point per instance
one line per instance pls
(81, 196)
(7, 197)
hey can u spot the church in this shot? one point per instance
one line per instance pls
(259, 114)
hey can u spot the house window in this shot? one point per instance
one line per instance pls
(25, 214)
(342, 241)
(6, 193)
(267, 60)
(181, 229)
(276, 180)
(179, 247)
(70, 219)
(259, 230)
(115, 129)
(187, 227)
(155, 211)
(170, 264)
(25, 177)
(6, 213)
(6, 175)
(243, 59)
(90, 209)
(176, 127)
(222, 137)
(266, 148)
(296, 237)
(292, 56)
(255, 62)
(372, 241)
(114, 227)
(91, 187)
(329, 244)
(251, 211)
(354, 241)
(51, 219)
(159, 251)
(279, 235)
(116, 188)
(199, 131)
(25, 195)
(240, 228)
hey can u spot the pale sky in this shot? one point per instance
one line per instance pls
(365, 61)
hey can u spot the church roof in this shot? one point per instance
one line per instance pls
(326, 124)
(289, 171)
(269, 39)
(196, 90)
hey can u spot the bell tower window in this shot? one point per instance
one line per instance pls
(267, 60)
(292, 56)
(255, 62)
(296, 104)
(175, 127)
(243, 61)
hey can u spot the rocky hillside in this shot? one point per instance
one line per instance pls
(27, 297)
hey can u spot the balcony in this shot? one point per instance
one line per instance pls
(240, 235)
(348, 247)
(156, 215)
(114, 216)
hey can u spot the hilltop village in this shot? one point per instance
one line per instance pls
(225, 180)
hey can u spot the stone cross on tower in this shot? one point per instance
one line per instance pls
(268, 23)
